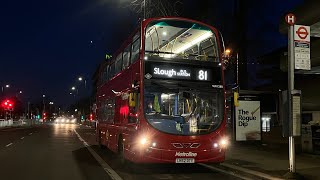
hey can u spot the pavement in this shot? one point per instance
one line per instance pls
(269, 161)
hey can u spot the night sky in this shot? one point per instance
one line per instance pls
(46, 45)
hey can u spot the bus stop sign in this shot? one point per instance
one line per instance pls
(290, 19)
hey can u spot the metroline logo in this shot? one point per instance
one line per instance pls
(184, 154)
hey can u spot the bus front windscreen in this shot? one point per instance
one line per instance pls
(183, 109)
(178, 39)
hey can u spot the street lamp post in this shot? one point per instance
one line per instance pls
(3, 87)
(75, 89)
(44, 105)
(85, 81)
(29, 117)
(85, 87)
(50, 113)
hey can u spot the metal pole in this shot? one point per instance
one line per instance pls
(237, 70)
(29, 110)
(291, 57)
(29, 117)
(144, 9)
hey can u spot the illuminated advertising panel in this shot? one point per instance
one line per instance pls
(247, 121)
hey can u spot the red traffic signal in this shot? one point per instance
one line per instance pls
(7, 104)
(91, 117)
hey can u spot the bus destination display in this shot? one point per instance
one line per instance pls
(160, 71)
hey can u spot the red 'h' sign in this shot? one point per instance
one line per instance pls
(290, 19)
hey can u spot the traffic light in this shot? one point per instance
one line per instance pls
(91, 117)
(7, 104)
(44, 116)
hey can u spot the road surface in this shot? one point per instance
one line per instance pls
(58, 151)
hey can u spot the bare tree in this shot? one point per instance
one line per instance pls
(155, 8)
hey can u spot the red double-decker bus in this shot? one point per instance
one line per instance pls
(161, 98)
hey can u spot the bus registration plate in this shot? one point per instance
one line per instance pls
(185, 160)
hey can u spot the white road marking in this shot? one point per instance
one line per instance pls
(104, 165)
(256, 173)
(9, 144)
(30, 133)
(22, 138)
(225, 172)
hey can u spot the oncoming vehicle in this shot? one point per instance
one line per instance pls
(65, 120)
(161, 98)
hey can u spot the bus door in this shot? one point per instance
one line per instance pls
(129, 115)
(112, 129)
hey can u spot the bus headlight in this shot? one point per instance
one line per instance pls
(224, 142)
(143, 141)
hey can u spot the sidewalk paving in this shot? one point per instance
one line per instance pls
(271, 161)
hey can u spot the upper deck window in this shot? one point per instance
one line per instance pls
(170, 39)
(135, 48)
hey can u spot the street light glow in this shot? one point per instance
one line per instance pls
(20, 92)
(227, 51)
(73, 88)
(44, 95)
(7, 85)
(80, 79)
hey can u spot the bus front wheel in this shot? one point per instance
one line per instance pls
(122, 159)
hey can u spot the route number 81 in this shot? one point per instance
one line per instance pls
(203, 75)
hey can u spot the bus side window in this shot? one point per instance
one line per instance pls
(134, 102)
(105, 110)
(111, 71)
(117, 104)
(105, 74)
(135, 48)
(118, 64)
(111, 107)
(126, 57)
